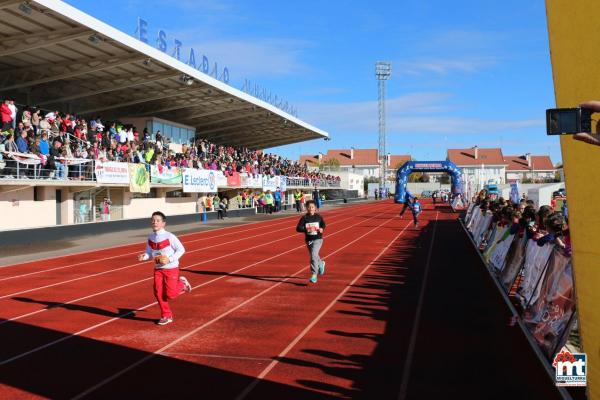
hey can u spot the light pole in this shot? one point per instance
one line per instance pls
(383, 70)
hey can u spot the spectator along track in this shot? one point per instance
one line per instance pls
(80, 327)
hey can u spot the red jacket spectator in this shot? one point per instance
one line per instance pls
(6, 113)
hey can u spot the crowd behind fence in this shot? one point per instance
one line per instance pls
(528, 251)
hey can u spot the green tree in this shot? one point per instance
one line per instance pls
(330, 165)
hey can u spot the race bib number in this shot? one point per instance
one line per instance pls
(312, 228)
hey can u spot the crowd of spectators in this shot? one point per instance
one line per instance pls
(544, 224)
(58, 138)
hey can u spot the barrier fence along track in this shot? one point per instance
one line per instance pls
(482, 233)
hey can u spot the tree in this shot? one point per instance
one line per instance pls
(445, 179)
(331, 165)
(415, 177)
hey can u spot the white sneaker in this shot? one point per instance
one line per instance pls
(186, 284)
(164, 321)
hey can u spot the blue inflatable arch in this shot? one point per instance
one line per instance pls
(427, 166)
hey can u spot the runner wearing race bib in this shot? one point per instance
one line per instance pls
(312, 224)
(165, 250)
(416, 210)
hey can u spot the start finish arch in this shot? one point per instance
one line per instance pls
(427, 166)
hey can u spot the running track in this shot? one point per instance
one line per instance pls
(401, 313)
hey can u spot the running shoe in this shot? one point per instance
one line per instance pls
(322, 268)
(186, 284)
(164, 321)
(313, 278)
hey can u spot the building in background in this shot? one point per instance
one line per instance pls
(358, 161)
(480, 166)
(529, 168)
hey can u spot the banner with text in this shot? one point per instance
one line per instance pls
(112, 172)
(199, 180)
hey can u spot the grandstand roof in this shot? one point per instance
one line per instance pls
(56, 57)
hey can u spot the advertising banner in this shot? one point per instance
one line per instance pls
(501, 250)
(548, 318)
(536, 259)
(199, 180)
(235, 180)
(273, 182)
(514, 193)
(111, 172)
(139, 179)
(249, 181)
(164, 175)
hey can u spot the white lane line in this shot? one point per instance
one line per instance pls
(297, 339)
(21, 355)
(415, 330)
(125, 254)
(217, 356)
(144, 262)
(212, 321)
(147, 279)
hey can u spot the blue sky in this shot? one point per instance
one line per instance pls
(464, 72)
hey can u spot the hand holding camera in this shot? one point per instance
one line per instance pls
(574, 121)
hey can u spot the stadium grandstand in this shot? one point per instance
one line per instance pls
(82, 100)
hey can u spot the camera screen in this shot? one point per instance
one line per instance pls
(562, 121)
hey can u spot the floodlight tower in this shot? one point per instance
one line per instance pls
(383, 70)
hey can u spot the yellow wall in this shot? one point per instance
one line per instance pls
(574, 34)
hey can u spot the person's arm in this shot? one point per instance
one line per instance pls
(146, 255)
(178, 247)
(321, 225)
(301, 227)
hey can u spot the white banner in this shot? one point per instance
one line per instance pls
(273, 182)
(200, 180)
(249, 181)
(112, 172)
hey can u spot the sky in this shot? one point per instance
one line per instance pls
(464, 72)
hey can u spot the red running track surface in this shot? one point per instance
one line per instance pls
(379, 324)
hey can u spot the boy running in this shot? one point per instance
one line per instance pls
(416, 210)
(166, 250)
(312, 224)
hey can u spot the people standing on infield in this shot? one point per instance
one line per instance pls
(277, 196)
(166, 250)
(416, 210)
(298, 199)
(313, 225)
(408, 197)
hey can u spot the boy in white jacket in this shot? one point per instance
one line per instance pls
(166, 250)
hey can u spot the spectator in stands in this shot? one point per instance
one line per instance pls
(13, 113)
(35, 121)
(44, 145)
(10, 166)
(22, 142)
(55, 162)
(6, 115)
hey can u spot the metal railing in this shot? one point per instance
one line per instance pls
(14, 165)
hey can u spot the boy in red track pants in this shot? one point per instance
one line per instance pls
(166, 250)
